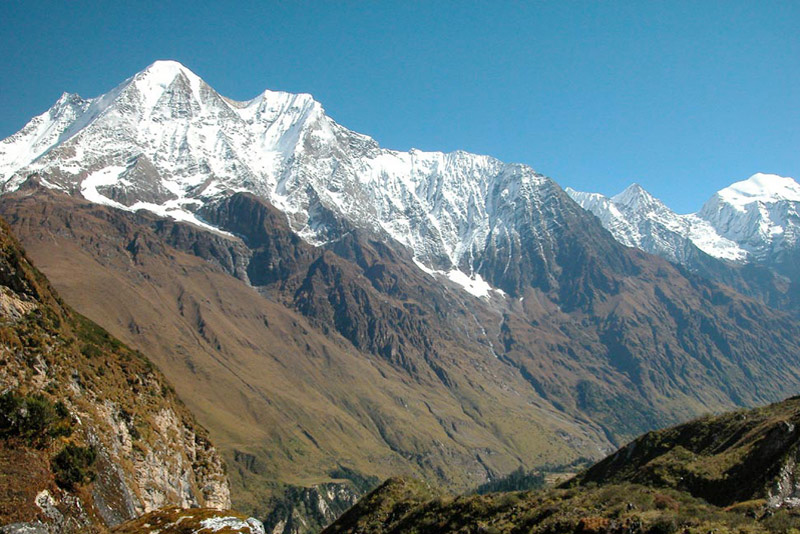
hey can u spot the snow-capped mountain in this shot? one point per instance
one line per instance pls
(749, 221)
(637, 219)
(349, 351)
(761, 214)
(167, 142)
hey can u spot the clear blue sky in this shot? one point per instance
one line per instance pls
(682, 97)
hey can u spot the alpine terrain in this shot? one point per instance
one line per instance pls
(731, 473)
(336, 313)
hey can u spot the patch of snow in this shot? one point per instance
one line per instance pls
(216, 524)
(173, 209)
(106, 176)
(474, 285)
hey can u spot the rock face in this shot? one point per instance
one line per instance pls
(309, 510)
(143, 448)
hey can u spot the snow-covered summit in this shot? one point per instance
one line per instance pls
(761, 213)
(766, 188)
(638, 219)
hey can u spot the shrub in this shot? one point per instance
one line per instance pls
(665, 502)
(663, 526)
(73, 466)
(32, 418)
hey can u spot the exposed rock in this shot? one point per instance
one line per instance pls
(141, 447)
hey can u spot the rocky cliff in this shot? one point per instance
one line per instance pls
(91, 433)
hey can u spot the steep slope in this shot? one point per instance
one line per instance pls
(734, 457)
(536, 385)
(760, 214)
(405, 506)
(311, 393)
(638, 219)
(755, 220)
(91, 434)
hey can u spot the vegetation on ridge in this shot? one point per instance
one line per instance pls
(733, 473)
(85, 422)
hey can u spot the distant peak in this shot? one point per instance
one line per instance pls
(164, 71)
(67, 99)
(633, 193)
(635, 189)
(580, 196)
(761, 187)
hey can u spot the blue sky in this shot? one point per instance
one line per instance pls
(682, 97)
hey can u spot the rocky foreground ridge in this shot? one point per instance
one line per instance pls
(731, 473)
(91, 433)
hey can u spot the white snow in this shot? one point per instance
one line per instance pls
(106, 176)
(215, 524)
(200, 146)
(474, 285)
(746, 221)
(173, 209)
(638, 219)
(760, 187)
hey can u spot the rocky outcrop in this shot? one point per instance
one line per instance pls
(102, 433)
(191, 521)
(307, 510)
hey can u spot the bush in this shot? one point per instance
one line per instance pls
(518, 480)
(32, 418)
(665, 502)
(663, 526)
(73, 466)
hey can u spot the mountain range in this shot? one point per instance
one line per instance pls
(336, 313)
(753, 223)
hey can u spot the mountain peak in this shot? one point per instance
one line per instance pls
(166, 68)
(635, 196)
(761, 187)
(157, 77)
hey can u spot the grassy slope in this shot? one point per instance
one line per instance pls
(713, 474)
(724, 459)
(402, 506)
(285, 401)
